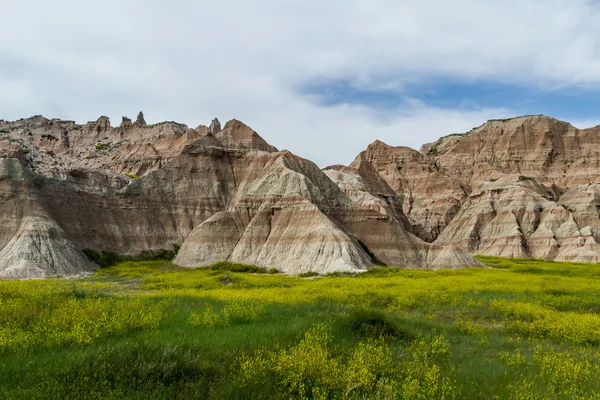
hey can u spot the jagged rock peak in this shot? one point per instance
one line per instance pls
(514, 187)
(379, 143)
(236, 134)
(215, 127)
(140, 121)
(126, 123)
(102, 123)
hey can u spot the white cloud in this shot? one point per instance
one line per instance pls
(192, 60)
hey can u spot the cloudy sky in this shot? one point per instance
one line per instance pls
(320, 78)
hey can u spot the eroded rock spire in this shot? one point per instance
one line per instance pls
(140, 121)
(215, 126)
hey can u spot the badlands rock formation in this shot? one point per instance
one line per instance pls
(222, 192)
(522, 187)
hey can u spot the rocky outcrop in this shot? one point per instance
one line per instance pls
(236, 134)
(524, 187)
(379, 223)
(521, 187)
(281, 215)
(215, 127)
(430, 197)
(224, 194)
(140, 121)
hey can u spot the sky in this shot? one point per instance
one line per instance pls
(322, 79)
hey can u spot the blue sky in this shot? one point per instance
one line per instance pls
(321, 79)
(575, 104)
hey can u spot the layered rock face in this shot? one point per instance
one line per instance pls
(523, 187)
(222, 192)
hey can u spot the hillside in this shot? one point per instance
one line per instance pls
(524, 187)
(222, 193)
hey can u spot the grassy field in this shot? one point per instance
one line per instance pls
(522, 329)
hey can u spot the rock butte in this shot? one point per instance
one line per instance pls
(523, 187)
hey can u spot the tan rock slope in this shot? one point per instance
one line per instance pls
(521, 187)
(222, 192)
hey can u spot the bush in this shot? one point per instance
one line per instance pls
(236, 267)
(523, 178)
(104, 260)
(373, 324)
(308, 274)
(109, 259)
(37, 315)
(313, 369)
(208, 317)
(240, 312)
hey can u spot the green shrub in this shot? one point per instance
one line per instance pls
(242, 312)
(133, 176)
(104, 260)
(208, 317)
(373, 324)
(236, 267)
(523, 178)
(109, 259)
(308, 274)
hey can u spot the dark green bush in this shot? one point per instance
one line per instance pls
(108, 259)
(525, 178)
(373, 324)
(236, 267)
(308, 274)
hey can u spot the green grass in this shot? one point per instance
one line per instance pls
(523, 329)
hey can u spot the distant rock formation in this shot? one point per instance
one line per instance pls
(140, 121)
(126, 123)
(520, 187)
(215, 127)
(223, 193)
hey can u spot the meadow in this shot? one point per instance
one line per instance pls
(520, 329)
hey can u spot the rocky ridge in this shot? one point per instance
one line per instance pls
(223, 193)
(520, 187)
